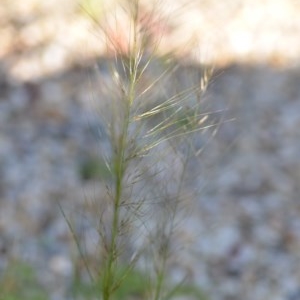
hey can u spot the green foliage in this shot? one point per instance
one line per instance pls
(188, 291)
(19, 281)
(136, 285)
(94, 168)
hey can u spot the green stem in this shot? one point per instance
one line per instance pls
(121, 161)
(120, 169)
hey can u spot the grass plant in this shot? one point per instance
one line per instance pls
(152, 136)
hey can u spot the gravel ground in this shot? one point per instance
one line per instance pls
(245, 224)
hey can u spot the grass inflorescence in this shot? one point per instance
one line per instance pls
(152, 123)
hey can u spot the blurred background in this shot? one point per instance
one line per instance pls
(246, 230)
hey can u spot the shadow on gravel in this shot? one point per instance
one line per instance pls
(250, 174)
